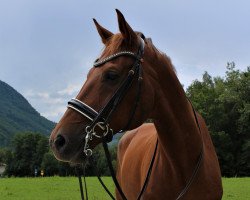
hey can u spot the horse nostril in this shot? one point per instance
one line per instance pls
(59, 142)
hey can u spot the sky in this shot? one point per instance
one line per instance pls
(48, 46)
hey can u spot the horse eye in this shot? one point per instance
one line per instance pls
(111, 75)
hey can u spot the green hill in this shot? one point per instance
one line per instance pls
(17, 115)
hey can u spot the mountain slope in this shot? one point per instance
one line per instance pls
(17, 115)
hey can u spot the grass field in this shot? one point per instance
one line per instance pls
(67, 188)
(236, 188)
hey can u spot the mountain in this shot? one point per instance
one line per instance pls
(17, 115)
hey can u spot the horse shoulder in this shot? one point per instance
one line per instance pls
(125, 141)
(131, 155)
(140, 132)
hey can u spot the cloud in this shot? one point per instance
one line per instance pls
(44, 97)
(70, 89)
(54, 46)
(54, 113)
(50, 104)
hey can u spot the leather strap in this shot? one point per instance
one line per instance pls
(111, 169)
(84, 108)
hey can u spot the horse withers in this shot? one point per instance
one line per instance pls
(129, 83)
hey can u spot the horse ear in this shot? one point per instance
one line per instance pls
(126, 31)
(104, 33)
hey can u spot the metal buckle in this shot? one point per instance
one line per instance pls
(88, 152)
(105, 128)
(92, 132)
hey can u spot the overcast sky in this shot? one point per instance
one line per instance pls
(48, 46)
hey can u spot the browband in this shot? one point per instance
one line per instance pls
(123, 53)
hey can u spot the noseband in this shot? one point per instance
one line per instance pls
(100, 120)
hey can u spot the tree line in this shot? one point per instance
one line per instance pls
(224, 102)
(29, 155)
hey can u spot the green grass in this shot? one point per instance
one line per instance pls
(236, 188)
(55, 188)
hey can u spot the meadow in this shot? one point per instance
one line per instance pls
(55, 188)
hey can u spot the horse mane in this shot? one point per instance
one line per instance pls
(160, 56)
(117, 43)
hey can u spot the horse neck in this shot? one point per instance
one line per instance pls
(178, 133)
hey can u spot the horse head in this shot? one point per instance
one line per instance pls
(117, 95)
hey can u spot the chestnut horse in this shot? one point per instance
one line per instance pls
(185, 166)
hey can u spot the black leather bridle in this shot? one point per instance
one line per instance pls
(100, 120)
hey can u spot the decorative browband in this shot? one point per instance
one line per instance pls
(107, 59)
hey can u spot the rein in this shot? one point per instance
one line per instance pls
(100, 121)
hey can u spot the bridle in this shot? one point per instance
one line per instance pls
(100, 120)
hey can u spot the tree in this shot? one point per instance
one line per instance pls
(3, 152)
(49, 164)
(30, 152)
(27, 153)
(225, 105)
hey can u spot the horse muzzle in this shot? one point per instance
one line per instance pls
(66, 145)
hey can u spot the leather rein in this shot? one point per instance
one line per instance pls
(100, 121)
